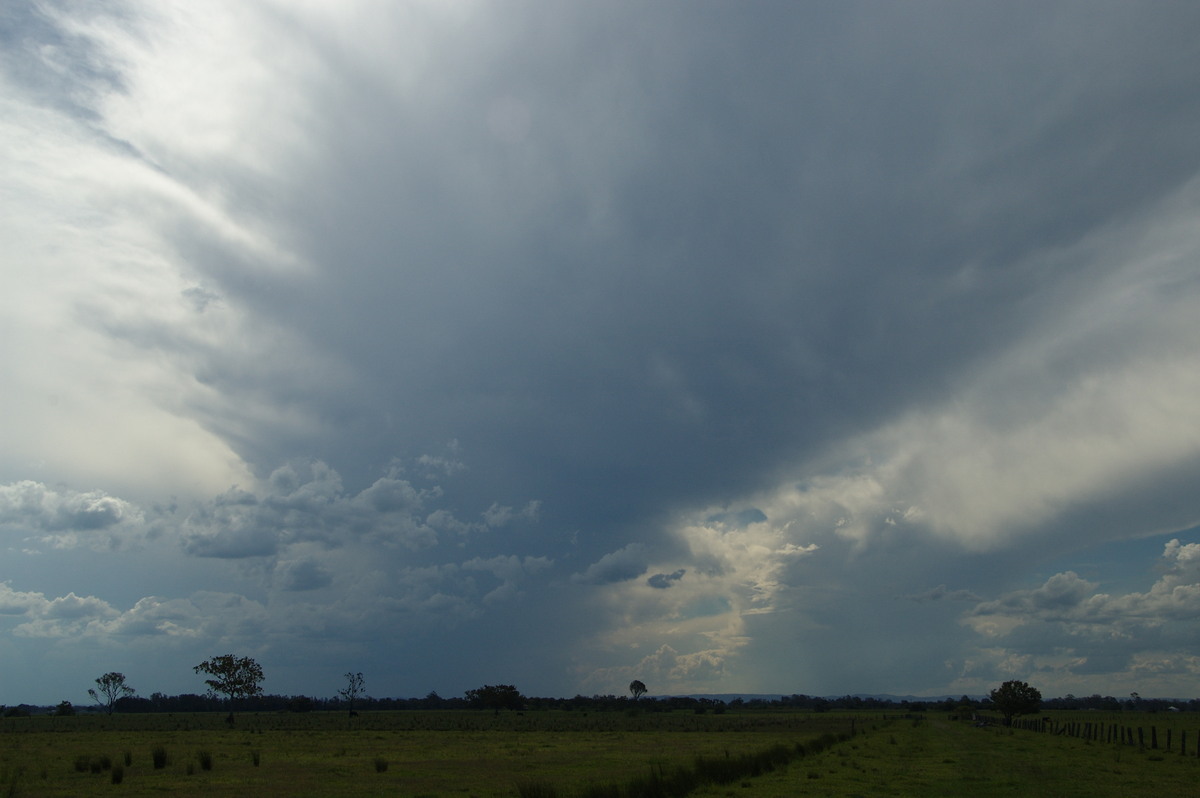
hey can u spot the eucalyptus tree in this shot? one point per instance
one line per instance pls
(112, 687)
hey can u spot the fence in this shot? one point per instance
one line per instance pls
(1115, 733)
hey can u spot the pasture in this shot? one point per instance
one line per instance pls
(557, 754)
(452, 753)
(939, 757)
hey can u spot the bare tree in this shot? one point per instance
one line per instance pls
(355, 687)
(112, 686)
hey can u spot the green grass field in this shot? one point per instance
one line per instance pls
(580, 755)
(941, 757)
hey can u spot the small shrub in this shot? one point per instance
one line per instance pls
(205, 759)
(82, 763)
(118, 774)
(381, 765)
(128, 758)
(191, 769)
(255, 756)
(159, 757)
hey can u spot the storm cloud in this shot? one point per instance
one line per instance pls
(558, 345)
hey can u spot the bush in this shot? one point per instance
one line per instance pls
(205, 759)
(255, 757)
(118, 774)
(159, 755)
(381, 765)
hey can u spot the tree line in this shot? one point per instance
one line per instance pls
(236, 683)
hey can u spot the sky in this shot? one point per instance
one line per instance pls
(763, 347)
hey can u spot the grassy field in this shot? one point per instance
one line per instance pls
(940, 757)
(584, 755)
(404, 753)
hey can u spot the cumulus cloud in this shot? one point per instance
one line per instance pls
(33, 505)
(65, 518)
(1069, 627)
(1068, 599)
(61, 616)
(306, 502)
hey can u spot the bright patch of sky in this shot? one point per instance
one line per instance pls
(817, 347)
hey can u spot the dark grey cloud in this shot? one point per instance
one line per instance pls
(708, 289)
(304, 575)
(942, 593)
(664, 581)
(621, 565)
